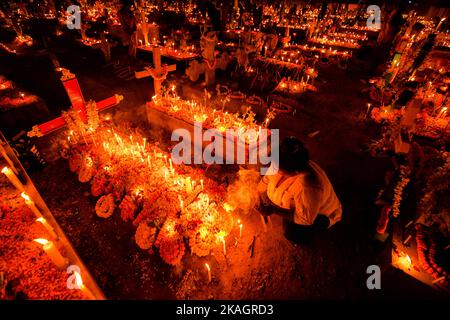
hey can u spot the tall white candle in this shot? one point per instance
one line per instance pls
(53, 253)
(48, 227)
(30, 203)
(224, 246)
(209, 272)
(12, 178)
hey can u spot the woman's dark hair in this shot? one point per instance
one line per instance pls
(294, 157)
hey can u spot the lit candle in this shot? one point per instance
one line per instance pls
(12, 178)
(82, 287)
(407, 239)
(149, 162)
(240, 230)
(224, 245)
(53, 253)
(48, 227)
(188, 185)
(368, 109)
(170, 165)
(30, 203)
(181, 203)
(145, 142)
(438, 280)
(209, 272)
(201, 182)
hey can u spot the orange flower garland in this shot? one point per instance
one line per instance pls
(105, 206)
(145, 236)
(171, 249)
(127, 208)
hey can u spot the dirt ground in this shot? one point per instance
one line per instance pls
(332, 266)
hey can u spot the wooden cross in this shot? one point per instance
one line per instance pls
(158, 72)
(73, 90)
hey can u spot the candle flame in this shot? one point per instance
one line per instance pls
(207, 267)
(78, 280)
(25, 196)
(41, 220)
(5, 170)
(227, 207)
(404, 261)
(41, 241)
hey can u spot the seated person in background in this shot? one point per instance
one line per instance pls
(300, 192)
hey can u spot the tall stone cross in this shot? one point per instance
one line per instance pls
(73, 90)
(158, 72)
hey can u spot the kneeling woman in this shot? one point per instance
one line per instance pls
(300, 192)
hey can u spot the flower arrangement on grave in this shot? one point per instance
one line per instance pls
(169, 205)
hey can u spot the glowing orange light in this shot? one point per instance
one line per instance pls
(41, 241)
(25, 196)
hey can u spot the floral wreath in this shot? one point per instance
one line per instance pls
(209, 65)
(154, 75)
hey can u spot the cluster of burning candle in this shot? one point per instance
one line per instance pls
(181, 53)
(291, 59)
(443, 40)
(193, 111)
(321, 50)
(24, 39)
(349, 35)
(276, 16)
(336, 42)
(169, 50)
(91, 41)
(292, 86)
(133, 151)
(50, 247)
(361, 28)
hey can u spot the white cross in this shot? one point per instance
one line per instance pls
(158, 72)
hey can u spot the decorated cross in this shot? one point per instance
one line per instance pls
(208, 42)
(73, 90)
(158, 72)
(210, 61)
